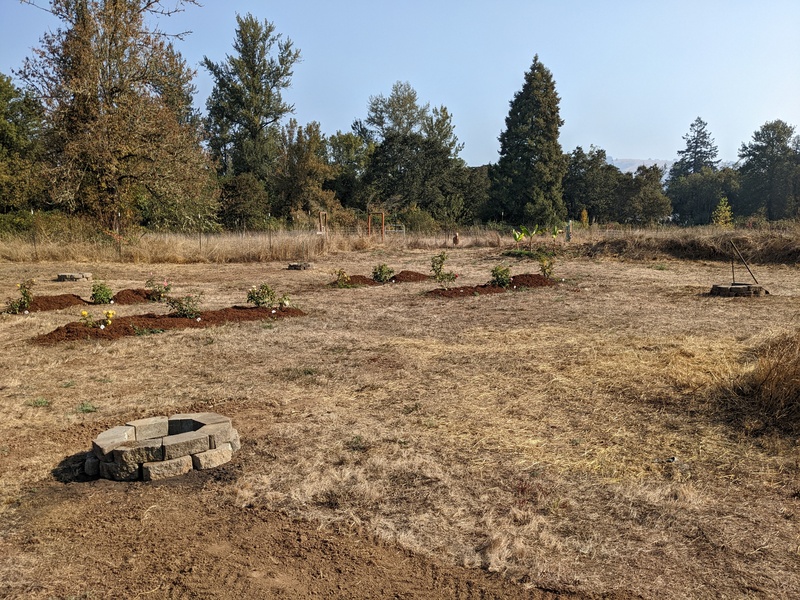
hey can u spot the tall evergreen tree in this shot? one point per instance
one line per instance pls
(246, 104)
(527, 180)
(770, 173)
(700, 152)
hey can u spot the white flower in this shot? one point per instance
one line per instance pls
(274, 311)
(102, 326)
(26, 312)
(111, 302)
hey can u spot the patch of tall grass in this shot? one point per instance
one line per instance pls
(767, 396)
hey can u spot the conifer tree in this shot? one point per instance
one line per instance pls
(700, 152)
(527, 180)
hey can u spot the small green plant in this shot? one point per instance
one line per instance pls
(382, 273)
(265, 296)
(39, 402)
(187, 306)
(501, 276)
(157, 290)
(357, 444)
(546, 266)
(89, 321)
(342, 278)
(22, 304)
(101, 293)
(86, 407)
(437, 267)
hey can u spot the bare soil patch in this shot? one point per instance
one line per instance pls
(62, 301)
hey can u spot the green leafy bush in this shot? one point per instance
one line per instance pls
(437, 268)
(501, 276)
(382, 273)
(101, 293)
(265, 296)
(157, 290)
(187, 306)
(22, 303)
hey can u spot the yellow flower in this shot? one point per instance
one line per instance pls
(84, 313)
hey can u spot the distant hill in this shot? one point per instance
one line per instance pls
(629, 165)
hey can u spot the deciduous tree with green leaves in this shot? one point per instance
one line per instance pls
(121, 140)
(527, 180)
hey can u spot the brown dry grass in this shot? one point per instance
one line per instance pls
(570, 436)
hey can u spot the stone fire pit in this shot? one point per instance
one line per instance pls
(162, 447)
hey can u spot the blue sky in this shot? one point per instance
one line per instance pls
(632, 75)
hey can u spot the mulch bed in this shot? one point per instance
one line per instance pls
(59, 301)
(152, 323)
(517, 282)
(401, 277)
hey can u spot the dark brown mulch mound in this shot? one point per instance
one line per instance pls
(401, 277)
(40, 303)
(409, 277)
(59, 301)
(517, 281)
(137, 296)
(152, 323)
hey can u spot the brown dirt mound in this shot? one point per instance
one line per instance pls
(152, 323)
(41, 303)
(60, 301)
(517, 281)
(409, 277)
(137, 296)
(401, 277)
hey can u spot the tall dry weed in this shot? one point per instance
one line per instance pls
(768, 395)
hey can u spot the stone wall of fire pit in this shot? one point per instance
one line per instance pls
(162, 447)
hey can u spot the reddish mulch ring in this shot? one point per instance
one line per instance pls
(152, 323)
(517, 281)
(401, 277)
(59, 301)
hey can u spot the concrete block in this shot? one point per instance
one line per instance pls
(210, 418)
(153, 471)
(212, 458)
(92, 465)
(139, 451)
(119, 471)
(183, 444)
(218, 433)
(236, 443)
(154, 427)
(105, 443)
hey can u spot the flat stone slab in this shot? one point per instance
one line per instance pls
(727, 290)
(73, 276)
(300, 266)
(160, 447)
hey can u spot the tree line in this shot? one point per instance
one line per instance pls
(103, 126)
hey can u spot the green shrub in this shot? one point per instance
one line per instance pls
(437, 268)
(382, 273)
(26, 297)
(342, 279)
(546, 265)
(101, 293)
(187, 306)
(265, 296)
(501, 276)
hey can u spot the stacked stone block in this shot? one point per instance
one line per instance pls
(162, 447)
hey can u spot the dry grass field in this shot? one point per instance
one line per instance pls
(582, 440)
